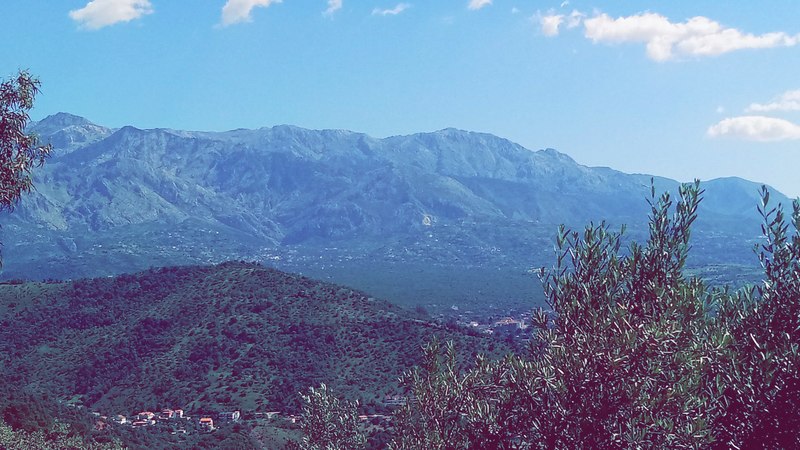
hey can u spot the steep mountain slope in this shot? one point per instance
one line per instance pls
(114, 201)
(234, 335)
(68, 132)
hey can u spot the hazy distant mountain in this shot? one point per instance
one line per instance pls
(114, 201)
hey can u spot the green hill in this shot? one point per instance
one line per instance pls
(235, 335)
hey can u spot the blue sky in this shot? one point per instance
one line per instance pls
(682, 89)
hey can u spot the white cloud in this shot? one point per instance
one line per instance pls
(665, 40)
(788, 101)
(102, 13)
(550, 24)
(755, 128)
(575, 18)
(478, 4)
(333, 6)
(391, 12)
(720, 109)
(236, 11)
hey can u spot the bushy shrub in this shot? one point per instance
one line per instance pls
(329, 423)
(632, 354)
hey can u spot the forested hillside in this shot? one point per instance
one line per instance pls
(235, 335)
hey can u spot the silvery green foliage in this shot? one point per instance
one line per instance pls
(59, 437)
(759, 397)
(451, 409)
(329, 423)
(633, 354)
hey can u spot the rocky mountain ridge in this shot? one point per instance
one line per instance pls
(119, 200)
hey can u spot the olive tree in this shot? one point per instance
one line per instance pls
(329, 423)
(632, 353)
(616, 363)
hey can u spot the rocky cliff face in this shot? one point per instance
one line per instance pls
(119, 200)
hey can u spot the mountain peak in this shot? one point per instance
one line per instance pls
(67, 132)
(451, 130)
(63, 120)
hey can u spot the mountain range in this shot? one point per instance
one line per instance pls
(119, 200)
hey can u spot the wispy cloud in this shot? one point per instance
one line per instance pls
(550, 24)
(392, 11)
(102, 13)
(788, 101)
(478, 4)
(237, 11)
(755, 128)
(333, 6)
(575, 18)
(665, 40)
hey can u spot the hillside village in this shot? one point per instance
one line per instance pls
(174, 420)
(177, 421)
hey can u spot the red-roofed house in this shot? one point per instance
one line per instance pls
(207, 422)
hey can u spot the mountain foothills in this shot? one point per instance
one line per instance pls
(119, 200)
(235, 336)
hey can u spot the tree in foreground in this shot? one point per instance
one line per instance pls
(20, 151)
(633, 354)
(329, 423)
(59, 436)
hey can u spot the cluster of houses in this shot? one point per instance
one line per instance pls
(504, 325)
(209, 422)
(173, 417)
(509, 322)
(176, 420)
